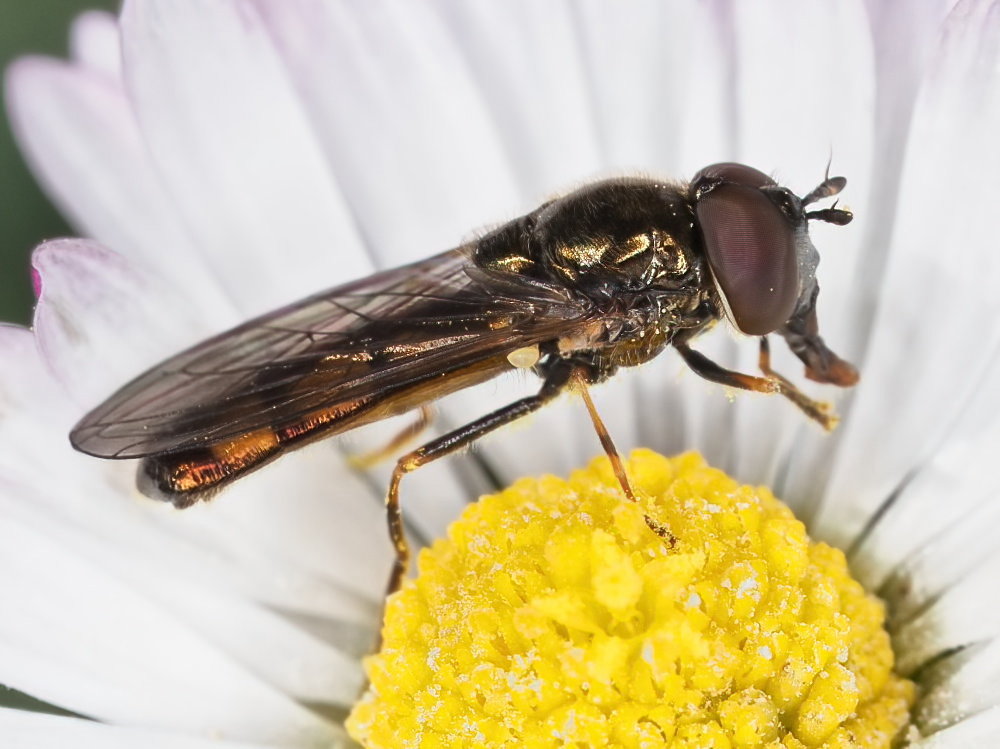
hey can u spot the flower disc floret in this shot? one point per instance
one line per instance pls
(553, 615)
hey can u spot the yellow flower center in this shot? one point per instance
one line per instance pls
(553, 616)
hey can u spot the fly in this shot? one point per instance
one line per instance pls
(605, 277)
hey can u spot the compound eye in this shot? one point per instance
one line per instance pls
(751, 249)
(730, 171)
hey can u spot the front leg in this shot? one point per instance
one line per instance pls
(820, 412)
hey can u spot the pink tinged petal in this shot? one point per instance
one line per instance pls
(236, 151)
(95, 43)
(96, 328)
(77, 130)
(407, 129)
(128, 660)
(24, 378)
(38, 731)
(929, 358)
(99, 321)
(32, 407)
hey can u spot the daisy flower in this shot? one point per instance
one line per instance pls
(225, 157)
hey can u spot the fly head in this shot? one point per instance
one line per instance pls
(756, 238)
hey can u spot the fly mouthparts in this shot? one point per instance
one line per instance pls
(838, 216)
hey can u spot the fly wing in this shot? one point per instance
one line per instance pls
(364, 338)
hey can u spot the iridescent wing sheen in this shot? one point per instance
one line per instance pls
(366, 338)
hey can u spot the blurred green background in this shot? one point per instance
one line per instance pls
(26, 217)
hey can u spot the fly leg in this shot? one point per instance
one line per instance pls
(458, 439)
(617, 465)
(816, 410)
(425, 415)
(605, 437)
(773, 383)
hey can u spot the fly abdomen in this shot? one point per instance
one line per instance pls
(189, 476)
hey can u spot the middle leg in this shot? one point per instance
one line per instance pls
(453, 441)
(617, 465)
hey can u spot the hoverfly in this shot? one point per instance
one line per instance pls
(604, 277)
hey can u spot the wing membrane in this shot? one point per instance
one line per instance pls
(394, 328)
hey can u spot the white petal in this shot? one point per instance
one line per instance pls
(912, 558)
(201, 582)
(906, 40)
(296, 663)
(794, 111)
(161, 675)
(970, 686)
(96, 44)
(547, 125)
(975, 732)
(959, 616)
(235, 150)
(78, 131)
(230, 553)
(814, 99)
(924, 368)
(655, 110)
(309, 513)
(26, 730)
(407, 129)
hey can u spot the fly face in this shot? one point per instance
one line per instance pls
(756, 239)
(604, 277)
